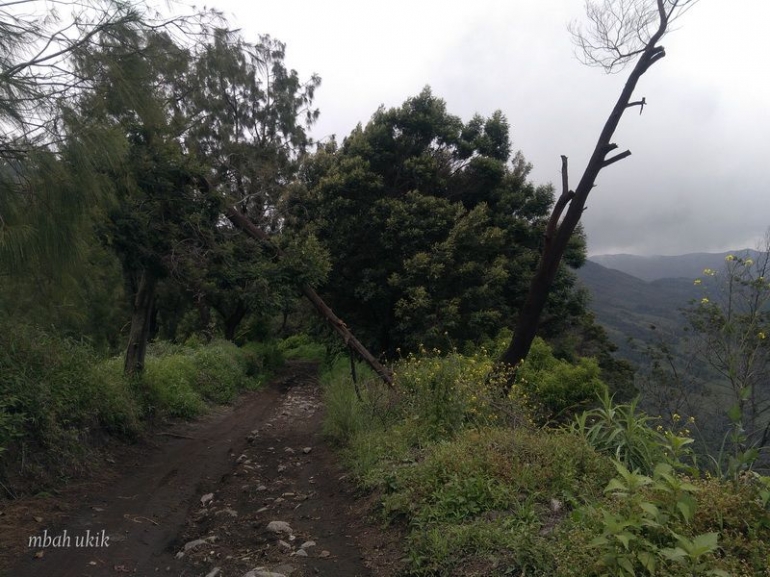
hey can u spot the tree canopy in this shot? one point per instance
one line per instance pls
(432, 226)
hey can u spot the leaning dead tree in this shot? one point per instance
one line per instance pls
(619, 33)
(338, 326)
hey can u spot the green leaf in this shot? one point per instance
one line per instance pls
(650, 509)
(625, 538)
(647, 560)
(705, 543)
(686, 506)
(675, 554)
(734, 413)
(626, 565)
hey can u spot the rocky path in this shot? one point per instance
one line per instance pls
(250, 491)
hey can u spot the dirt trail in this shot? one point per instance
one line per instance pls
(200, 503)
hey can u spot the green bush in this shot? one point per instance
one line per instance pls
(302, 346)
(559, 387)
(221, 371)
(169, 384)
(262, 357)
(54, 401)
(477, 498)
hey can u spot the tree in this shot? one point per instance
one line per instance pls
(731, 326)
(250, 116)
(37, 44)
(620, 31)
(158, 201)
(431, 225)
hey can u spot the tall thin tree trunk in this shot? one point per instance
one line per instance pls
(141, 320)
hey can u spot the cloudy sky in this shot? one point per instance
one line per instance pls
(696, 180)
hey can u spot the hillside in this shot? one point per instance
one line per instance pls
(628, 306)
(651, 268)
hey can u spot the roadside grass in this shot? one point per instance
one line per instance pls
(302, 346)
(532, 484)
(60, 401)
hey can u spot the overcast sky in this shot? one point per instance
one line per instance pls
(696, 180)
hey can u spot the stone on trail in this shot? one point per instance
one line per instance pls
(279, 527)
(207, 498)
(307, 544)
(306, 450)
(214, 572)
(262, 572)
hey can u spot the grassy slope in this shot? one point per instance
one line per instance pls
(478, 488)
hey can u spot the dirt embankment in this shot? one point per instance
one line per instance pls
(249, 490)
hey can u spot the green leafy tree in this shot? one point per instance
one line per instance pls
(432, 227)
(159, 202)
(250, 116)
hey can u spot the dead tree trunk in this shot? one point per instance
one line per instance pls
(242, 222)
(558, 233)
(141, 318)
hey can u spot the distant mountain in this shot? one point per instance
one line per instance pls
(651, 268)
(628, 307)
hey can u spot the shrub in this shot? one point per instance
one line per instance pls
(302, 346)
(221, 371)
(560, 388)
(169, 385)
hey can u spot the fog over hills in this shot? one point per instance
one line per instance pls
(651, 268)
(639, 298)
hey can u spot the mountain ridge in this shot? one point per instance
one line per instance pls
(657, 267)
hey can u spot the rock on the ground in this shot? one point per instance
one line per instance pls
(214, 572)
(279, 527)
(195, 543)
(262, 572)
(307, 544)
(207, 498)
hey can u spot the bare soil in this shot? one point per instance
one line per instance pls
(198, 499)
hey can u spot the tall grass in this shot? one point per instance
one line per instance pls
(59, 399)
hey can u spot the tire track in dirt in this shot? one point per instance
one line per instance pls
(213, 487)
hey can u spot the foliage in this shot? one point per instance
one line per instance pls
(302, 346)
(54, 399)
(730, 325)
(452, 228)
(627, 434)
(60, 398)
(475, 497)
(646, 527)
(560, 388)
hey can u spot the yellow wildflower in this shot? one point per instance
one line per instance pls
(704, 301)
(730, 258)
(697, 281)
